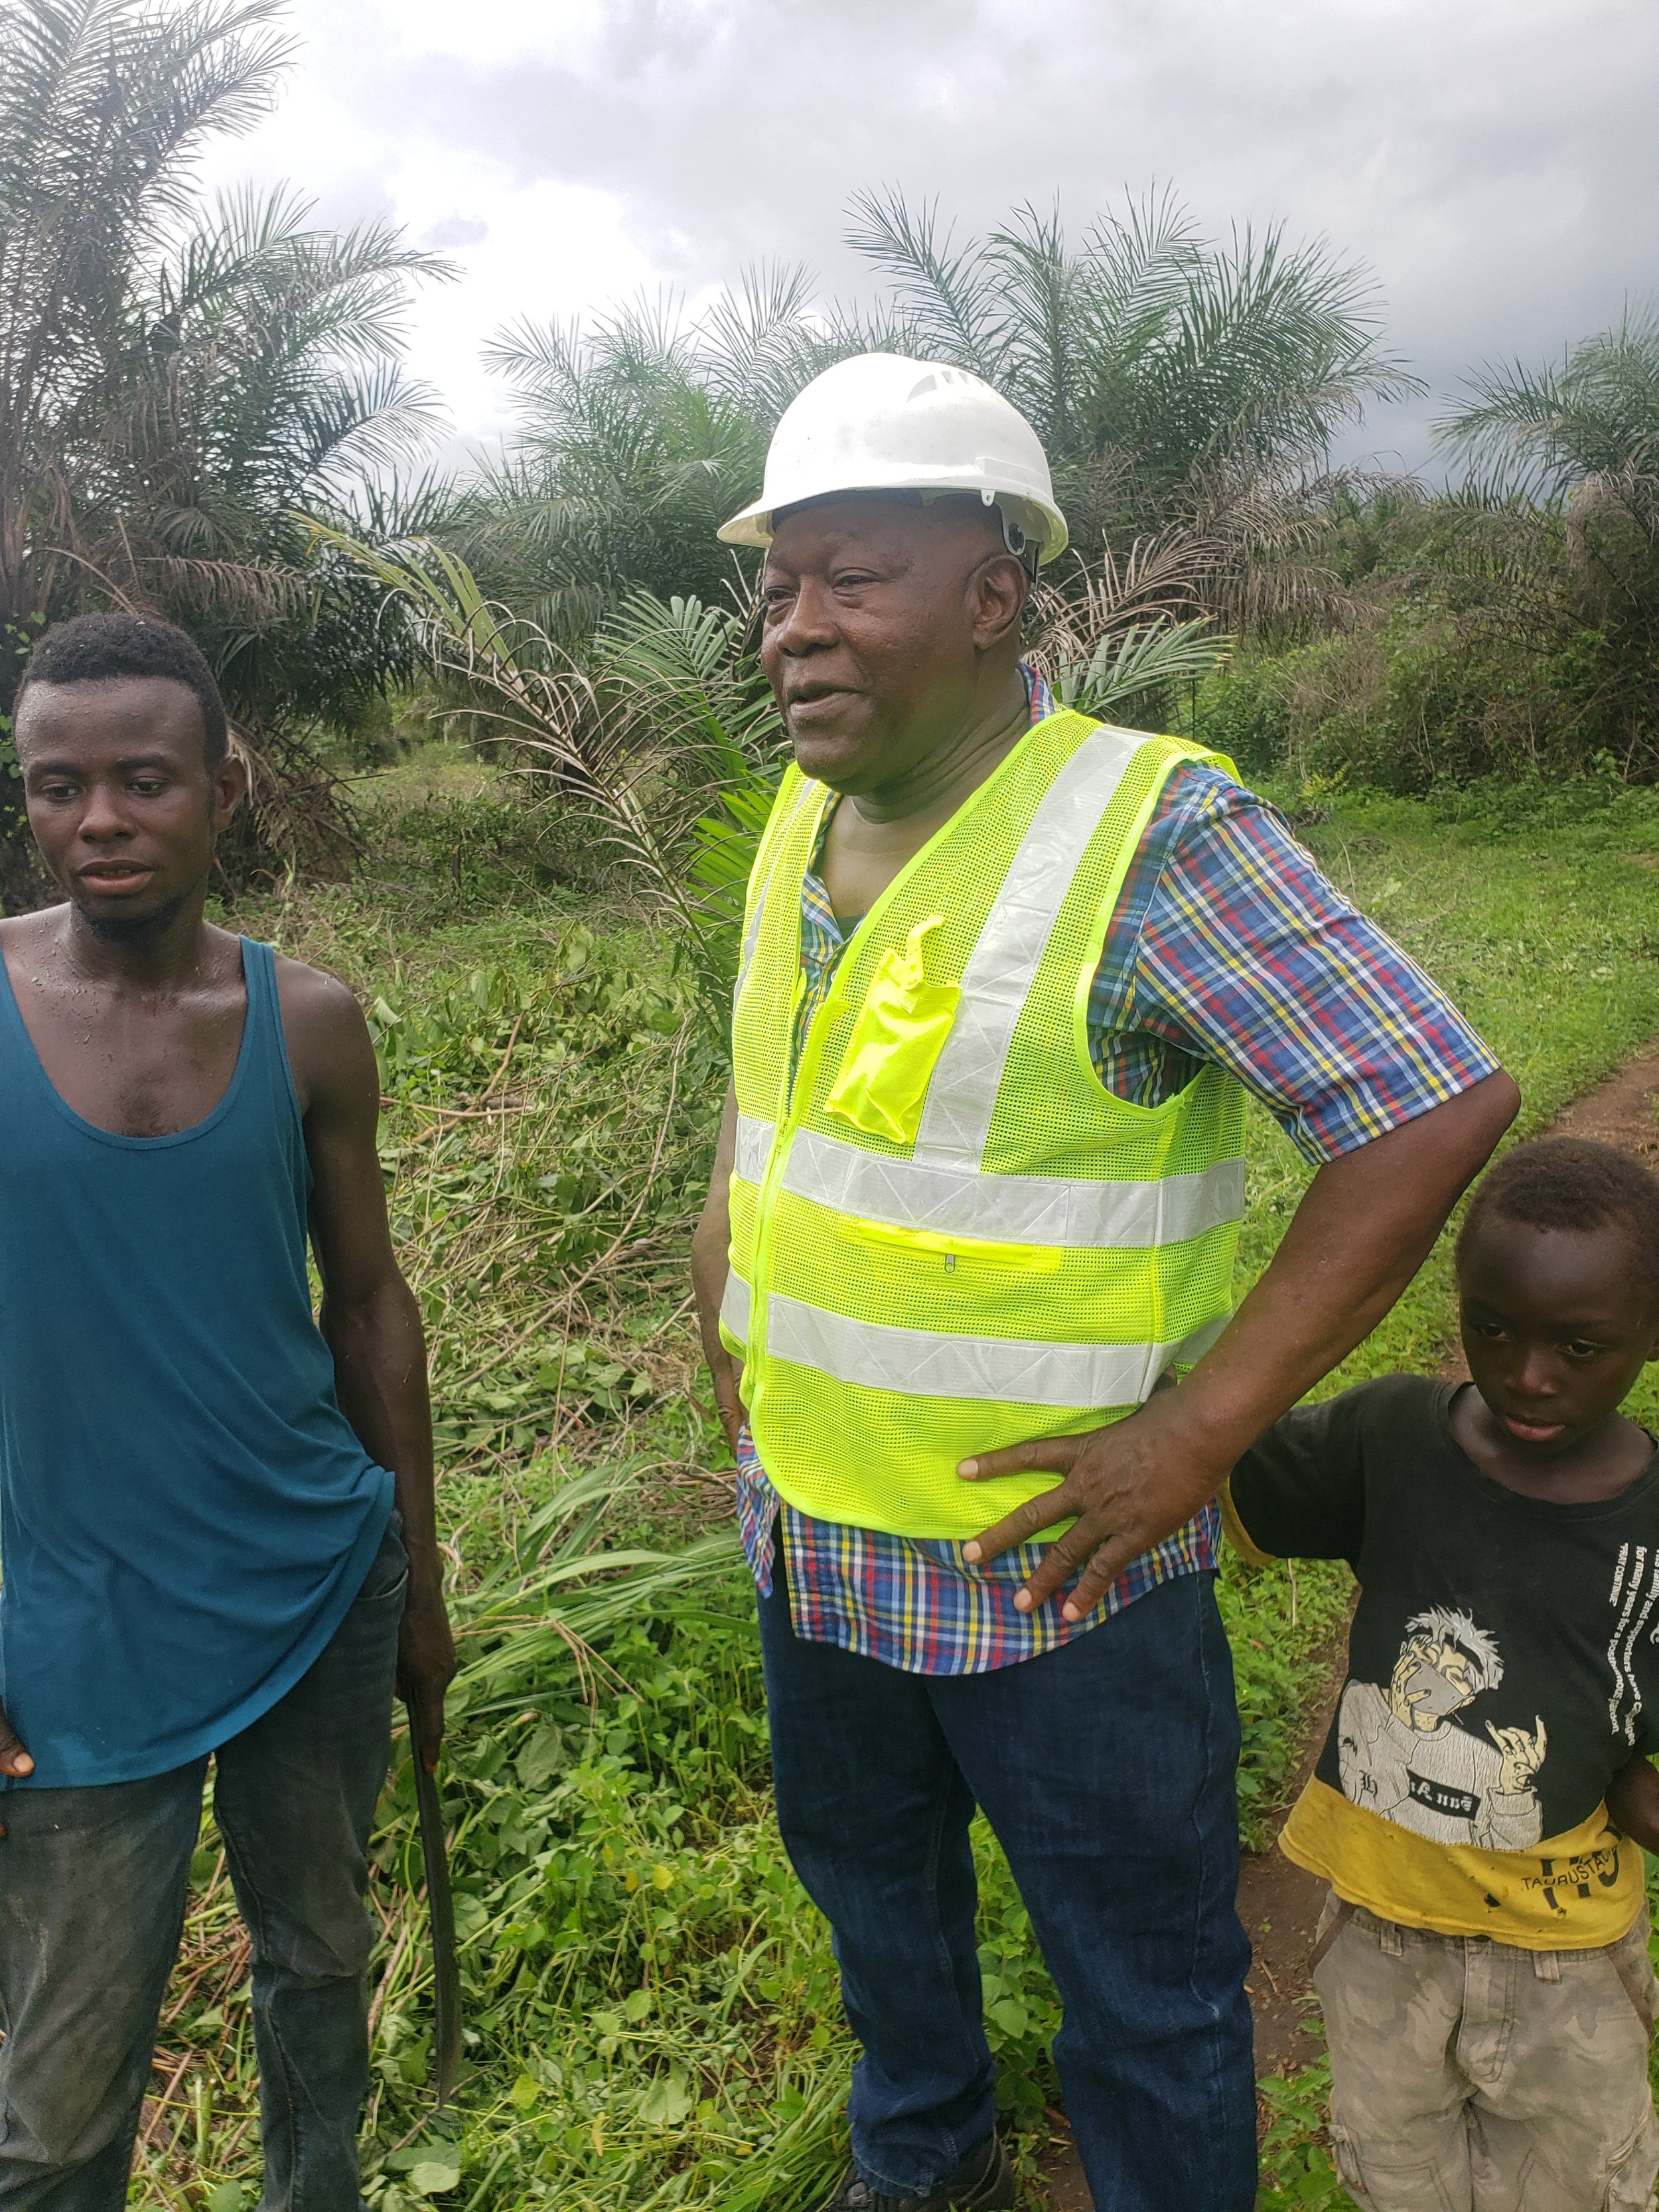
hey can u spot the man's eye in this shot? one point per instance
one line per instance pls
(147, 787)
(1581, 1351)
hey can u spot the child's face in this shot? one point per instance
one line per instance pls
(1557, 1325)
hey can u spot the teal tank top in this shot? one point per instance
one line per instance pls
(185, 1514)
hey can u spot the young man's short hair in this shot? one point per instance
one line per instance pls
(94, 648)
(1571, 1182)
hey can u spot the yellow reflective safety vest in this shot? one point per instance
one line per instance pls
(946, 1234)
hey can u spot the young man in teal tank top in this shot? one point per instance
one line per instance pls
(216, 1510)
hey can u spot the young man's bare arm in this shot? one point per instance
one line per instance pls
(369, 1317)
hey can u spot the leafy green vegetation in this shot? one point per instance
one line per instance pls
(200, 410)
(652, 2002)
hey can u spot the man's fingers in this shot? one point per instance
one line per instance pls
(1019, 1527)
(1077, 1550)
(13, 1759)
(1041, 1456)
(1108, 1563)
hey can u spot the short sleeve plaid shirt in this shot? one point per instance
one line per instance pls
(1227, 945)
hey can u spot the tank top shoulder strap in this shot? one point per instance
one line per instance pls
(266, 1039)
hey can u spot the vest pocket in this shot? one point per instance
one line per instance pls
(898, 1034)
(937, 1248)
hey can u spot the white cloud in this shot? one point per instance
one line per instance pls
(1494, 162)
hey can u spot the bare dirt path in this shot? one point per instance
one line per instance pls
(1278, 1903)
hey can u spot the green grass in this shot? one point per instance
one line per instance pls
(651, 2001)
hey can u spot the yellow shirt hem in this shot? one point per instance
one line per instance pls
(1578, 1891)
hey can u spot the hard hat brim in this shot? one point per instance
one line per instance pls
(752, 525)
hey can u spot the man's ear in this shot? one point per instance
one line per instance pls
(999, 587)
(231, 782)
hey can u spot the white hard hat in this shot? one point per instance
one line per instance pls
(882, 422)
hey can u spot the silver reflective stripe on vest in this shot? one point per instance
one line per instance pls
(997, 981)
(752, 932)
(750, 938)
(916, 1363)
(734, 1307)
(754, 1149)
(1013, 1209)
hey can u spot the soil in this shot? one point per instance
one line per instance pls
(1278, 1903)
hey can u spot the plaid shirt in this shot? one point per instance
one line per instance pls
(1227, 945)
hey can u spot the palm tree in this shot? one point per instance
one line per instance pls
(1171, 379)
(172, 384)
(1547, 430)
(1180, 387)
(638, 435)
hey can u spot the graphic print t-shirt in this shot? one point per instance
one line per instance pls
(1503, 1666)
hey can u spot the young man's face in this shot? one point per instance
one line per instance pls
(121, 801)
(1557, 1325)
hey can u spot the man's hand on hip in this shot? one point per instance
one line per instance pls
(1366, 1225)
(1128, 1486)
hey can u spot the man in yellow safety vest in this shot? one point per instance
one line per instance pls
(1007, 975)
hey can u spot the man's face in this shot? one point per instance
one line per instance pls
(876, 615)
(120, 799)
(1430, 1680)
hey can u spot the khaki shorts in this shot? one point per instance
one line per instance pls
(1473, 2077)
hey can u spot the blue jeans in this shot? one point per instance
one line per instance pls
(94, 1884)
(1106, 1769)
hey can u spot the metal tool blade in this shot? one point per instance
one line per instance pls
(446, 1968)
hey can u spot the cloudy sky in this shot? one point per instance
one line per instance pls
(1494, 162)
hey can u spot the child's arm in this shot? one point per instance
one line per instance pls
(1633, 1801)
(1299, 1491)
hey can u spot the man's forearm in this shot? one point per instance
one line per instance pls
(380, 1370)
(710, 1261)
(1365, 1226)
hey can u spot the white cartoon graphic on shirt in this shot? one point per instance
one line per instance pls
(1402, 1755)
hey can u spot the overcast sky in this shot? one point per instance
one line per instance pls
(1495, 162)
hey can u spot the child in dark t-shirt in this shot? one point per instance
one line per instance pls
(1489, 1761)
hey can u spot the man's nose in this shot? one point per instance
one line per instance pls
(103, 816)
(808, 625)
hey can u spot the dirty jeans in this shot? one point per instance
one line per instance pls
(1473, 2076)
(93, 1888)
(1106, 1769)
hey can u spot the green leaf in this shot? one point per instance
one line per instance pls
(667, 2102)
(541, 1756)
(433, 2176)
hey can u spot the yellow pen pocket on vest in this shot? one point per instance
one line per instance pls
(897, 1037)
(941, 1249)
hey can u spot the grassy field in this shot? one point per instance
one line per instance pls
(651, 2009)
